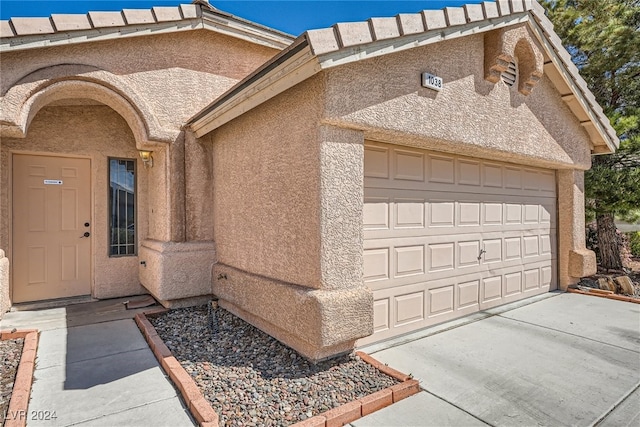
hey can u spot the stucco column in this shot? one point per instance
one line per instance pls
(575, 261)
(4, 280)
(178, 272)
(176, 188)
(341, 206)
(198, 187)
(5, 302)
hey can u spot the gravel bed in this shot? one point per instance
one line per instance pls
(251, 379)
(10, 353)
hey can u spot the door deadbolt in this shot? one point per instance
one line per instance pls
(86, 224)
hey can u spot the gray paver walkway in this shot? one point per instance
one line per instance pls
(96, 374)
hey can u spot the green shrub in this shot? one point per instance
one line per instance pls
(634, 243)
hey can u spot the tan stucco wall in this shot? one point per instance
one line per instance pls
(175, 75)
(575, 261)
(154, 83)
(317, 323)
(287, 208)
(95, 132)
(158, 199)
(198, 187)
(383, 97)
(5, 300)
(176, 270)
(341, 205)
(288, 177)
(266, 187)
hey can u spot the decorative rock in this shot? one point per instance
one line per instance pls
(607, 284)
(589, 283)
(626, 286)
(10, 353)
(251, 379)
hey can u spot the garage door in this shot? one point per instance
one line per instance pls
(446, 236)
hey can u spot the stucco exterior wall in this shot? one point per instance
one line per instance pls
(266, 189)
(383, 97)
(287, 198)
(5, 300)
(575, 261)
(158, 198)
(176, 75)
(154, 83)
(95, 132)
(341, 205)
(198, 187)
(288, 176)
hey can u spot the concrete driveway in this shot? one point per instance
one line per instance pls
(563, 359)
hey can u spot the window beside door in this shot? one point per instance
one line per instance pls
(122, 207)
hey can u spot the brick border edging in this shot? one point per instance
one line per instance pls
(366, 405)
(21, 392)
(199, 407)
(207, 417)
(599, 293)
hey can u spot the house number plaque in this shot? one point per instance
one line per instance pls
(432, 82)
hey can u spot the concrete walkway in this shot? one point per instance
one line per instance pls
(558, 359)
(564, 359)
(94, 368)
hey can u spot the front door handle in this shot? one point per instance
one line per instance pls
(86, 234)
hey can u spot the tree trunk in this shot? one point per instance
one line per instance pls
(608, 242)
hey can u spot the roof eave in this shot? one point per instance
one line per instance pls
(292, 66)
(244, 96)
(237, 27)
(35, 41)
(45, 33)
(230, 19)
(603, 137)
(290, 70)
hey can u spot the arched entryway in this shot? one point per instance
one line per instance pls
(75, 190)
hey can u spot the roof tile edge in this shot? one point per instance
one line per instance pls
(407, 23)
(97, 20)
(539, 14)
(323, 41)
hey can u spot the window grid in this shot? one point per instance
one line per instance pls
(122, 207)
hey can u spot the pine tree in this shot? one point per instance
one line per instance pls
(603, 37)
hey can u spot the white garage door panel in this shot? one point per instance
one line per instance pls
(392, 213)
(402, 309)
(446, 236)
(391, 263)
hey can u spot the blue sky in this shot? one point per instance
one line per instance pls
(292, 16)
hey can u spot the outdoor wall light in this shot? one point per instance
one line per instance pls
(147, 160)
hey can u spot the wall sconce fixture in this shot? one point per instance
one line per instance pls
(147, 160)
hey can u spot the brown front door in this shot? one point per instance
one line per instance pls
(51, 227)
